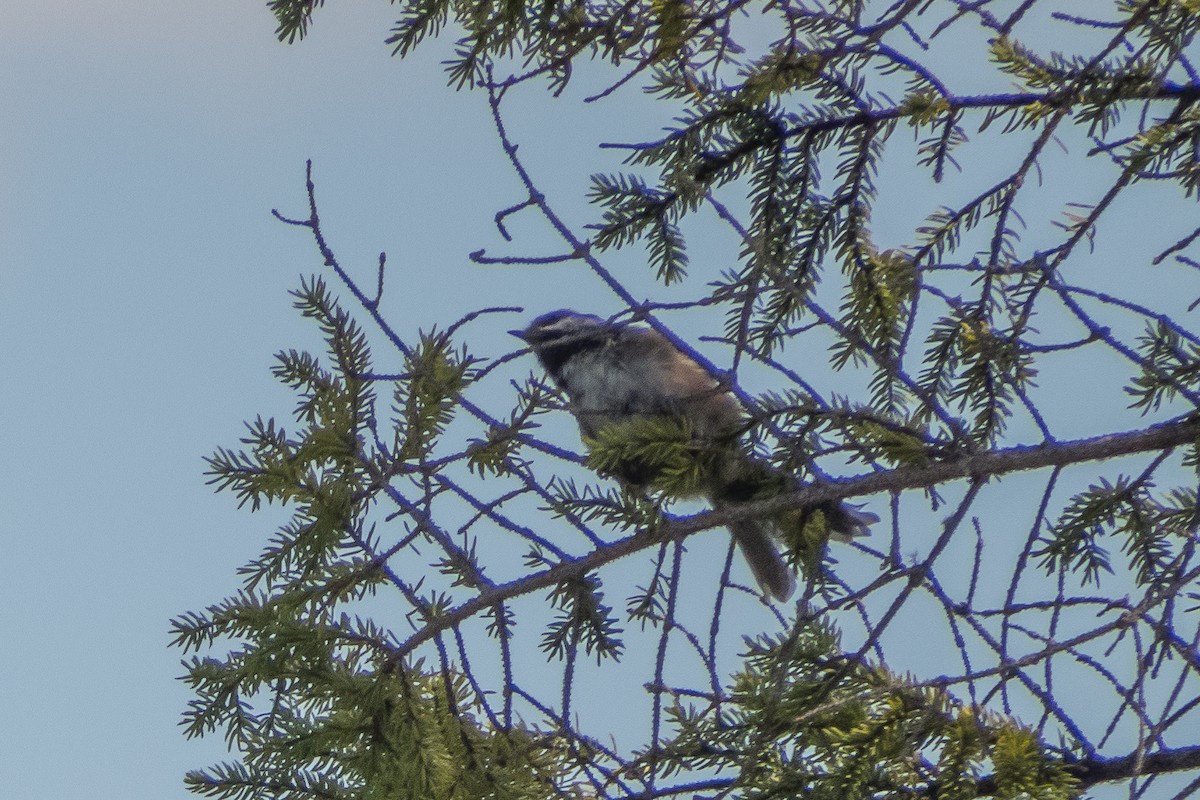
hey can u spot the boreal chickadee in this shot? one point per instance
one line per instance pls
(613, 373)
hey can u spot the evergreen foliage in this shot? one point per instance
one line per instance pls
(1063, 619)
(803, 721)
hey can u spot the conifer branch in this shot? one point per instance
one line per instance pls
(788, 143)
(977, 466)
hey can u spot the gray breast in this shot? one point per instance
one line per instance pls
(605, 387)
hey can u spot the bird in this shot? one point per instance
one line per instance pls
(613, 373)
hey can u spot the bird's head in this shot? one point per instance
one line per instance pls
(559, 337)
(565, 328)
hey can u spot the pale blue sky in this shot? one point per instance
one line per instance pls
(143, 290)
(143, 286)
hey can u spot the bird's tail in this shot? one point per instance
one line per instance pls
(750, 479)
(774, 576)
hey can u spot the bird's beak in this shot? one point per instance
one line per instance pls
(519, 334)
